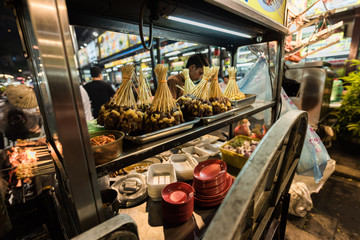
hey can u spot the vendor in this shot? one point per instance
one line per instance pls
(195, 65)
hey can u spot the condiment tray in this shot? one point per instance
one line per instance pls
(243, 103)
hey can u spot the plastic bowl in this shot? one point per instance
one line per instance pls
(178, 202)
(210, 173)
(108, 151)
(177, 193)
(228, 183)
(211, 191)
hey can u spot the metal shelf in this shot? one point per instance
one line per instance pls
(133, 153)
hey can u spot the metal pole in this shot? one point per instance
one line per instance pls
(278, 79)
(209, 54)
(158, 54)
(153, 66)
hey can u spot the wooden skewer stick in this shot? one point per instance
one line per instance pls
(39, 147)
(177, 85)
(42, 155)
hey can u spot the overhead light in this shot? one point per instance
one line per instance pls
(95, 34)
(115, 69)
(108, 70)
(20, 70)
(172, 58)
(203, 25)
(244, 53)
(81, 47)
(85, 44)
(172, 53)
(189, 53)
(146, 60)
(205, 51)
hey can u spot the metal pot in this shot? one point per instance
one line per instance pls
(110, 202)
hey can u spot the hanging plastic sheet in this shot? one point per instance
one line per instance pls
(257, 81)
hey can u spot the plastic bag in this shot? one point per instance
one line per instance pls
(257, 81)
(300, 201)
(314, 155)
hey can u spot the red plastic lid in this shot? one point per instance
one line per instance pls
(210, 169)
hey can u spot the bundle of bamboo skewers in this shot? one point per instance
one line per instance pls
(144, 93)
(196, 102)
(219, 102)
(232, 90)
(121, 112)
(164, 111)
(189, 85)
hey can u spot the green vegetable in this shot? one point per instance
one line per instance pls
(348, 114)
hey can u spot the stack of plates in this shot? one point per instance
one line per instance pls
(211, 183)
(177, 202)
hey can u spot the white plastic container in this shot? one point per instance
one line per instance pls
(196, 153)
(211, 150)
(208, 139)
(184, 165)
(158, 176)
(203, 139)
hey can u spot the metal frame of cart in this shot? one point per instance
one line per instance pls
(49, 43)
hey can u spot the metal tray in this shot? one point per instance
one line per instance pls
(145, 138)
(243, 103)
(216, 117)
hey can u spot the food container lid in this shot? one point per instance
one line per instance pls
(132, 189)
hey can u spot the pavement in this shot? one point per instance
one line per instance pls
(336, 207)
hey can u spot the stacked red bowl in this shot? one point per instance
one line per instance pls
(177, 202)
(211, 183)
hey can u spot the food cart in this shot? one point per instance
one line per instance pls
(48, 41)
